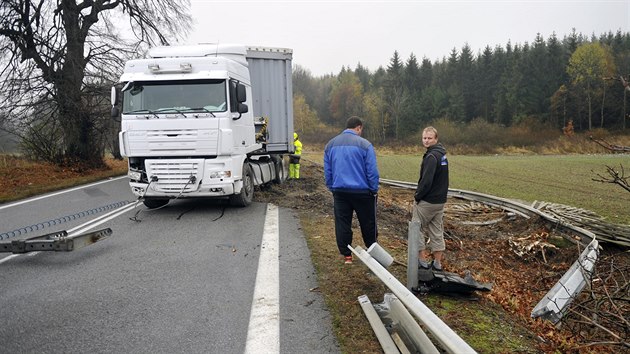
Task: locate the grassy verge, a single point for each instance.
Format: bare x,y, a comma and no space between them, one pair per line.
20,178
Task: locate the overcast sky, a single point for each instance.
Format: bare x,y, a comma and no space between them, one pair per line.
326,35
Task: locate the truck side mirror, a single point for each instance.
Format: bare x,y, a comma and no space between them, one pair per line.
241,94
115,111
114,96
242,108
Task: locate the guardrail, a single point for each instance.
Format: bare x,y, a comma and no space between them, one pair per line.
521,209
556,302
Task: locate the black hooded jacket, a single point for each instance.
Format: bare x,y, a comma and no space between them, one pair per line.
433,182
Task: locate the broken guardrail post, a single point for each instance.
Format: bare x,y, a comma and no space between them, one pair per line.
411,329
380,254
413,246
387,343
555,303
56,242
448,339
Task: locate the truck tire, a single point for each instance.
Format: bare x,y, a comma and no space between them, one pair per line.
244,198
153,203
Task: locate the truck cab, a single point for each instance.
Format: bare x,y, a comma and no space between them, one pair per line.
205,121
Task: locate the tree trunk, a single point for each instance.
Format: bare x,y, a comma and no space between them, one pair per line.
590,115
623,119
564,111
76,122
601,124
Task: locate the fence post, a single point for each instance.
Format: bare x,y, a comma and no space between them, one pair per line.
413,244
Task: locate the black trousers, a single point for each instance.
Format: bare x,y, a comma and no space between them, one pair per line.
364,204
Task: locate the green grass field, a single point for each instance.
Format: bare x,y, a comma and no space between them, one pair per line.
562,179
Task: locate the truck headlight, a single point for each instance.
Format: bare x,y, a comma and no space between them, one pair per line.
135,175
221,174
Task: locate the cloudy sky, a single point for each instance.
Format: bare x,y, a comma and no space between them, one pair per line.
326,35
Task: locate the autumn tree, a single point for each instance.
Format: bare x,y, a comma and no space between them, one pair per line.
375,115
587,68
54,53
346,97
305,120
304,84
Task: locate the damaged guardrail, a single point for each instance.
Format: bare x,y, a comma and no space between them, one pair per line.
57,242
521,209
387,343
444,335
555,303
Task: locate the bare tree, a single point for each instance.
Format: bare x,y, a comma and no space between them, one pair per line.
53,54
615,177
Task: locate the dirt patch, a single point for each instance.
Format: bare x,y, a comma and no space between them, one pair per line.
490,243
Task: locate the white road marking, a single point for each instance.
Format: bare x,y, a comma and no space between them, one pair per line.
57,193
101,219
264,320
8,258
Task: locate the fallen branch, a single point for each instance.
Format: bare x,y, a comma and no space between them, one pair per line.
621,342
608,146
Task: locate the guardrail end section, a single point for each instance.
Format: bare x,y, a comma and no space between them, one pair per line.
557,300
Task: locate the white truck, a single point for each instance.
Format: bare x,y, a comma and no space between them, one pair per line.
210,120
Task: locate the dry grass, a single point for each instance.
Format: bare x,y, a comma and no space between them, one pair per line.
21,178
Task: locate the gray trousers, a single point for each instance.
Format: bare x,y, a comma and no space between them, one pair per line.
431,218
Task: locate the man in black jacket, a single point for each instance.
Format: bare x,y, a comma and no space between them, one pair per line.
430,198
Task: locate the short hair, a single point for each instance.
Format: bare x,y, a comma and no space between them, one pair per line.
353,122
431,129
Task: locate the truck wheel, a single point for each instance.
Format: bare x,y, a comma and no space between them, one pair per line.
155,203
244,198
278,164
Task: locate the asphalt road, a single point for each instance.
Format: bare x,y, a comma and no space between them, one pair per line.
179,279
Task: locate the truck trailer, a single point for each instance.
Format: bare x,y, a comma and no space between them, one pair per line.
210,121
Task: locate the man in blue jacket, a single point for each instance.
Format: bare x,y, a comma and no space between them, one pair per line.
352,176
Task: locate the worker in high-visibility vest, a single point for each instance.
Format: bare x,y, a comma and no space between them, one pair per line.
294,159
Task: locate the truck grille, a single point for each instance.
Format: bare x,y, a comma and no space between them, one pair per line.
180,142
175,176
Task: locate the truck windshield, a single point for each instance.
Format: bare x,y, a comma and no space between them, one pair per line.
180,96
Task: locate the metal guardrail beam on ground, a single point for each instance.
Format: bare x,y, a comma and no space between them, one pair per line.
443,334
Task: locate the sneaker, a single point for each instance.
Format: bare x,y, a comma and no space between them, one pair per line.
436,267
423,265
348,259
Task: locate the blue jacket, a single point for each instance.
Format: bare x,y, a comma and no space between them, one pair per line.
350,164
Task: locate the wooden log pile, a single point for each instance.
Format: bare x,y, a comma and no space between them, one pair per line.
475,213
586,219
